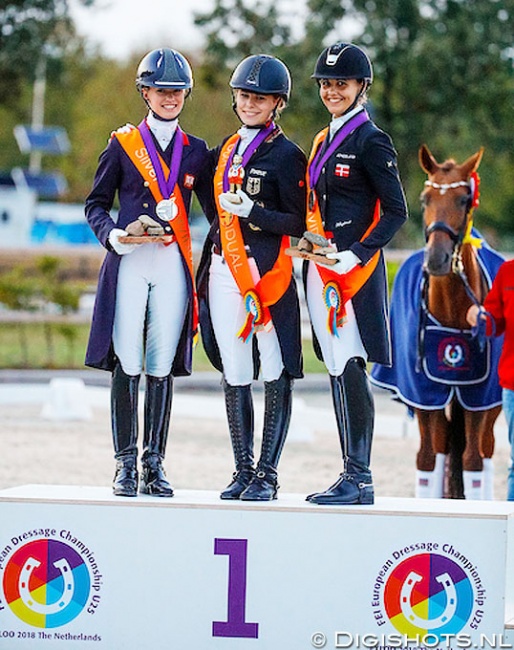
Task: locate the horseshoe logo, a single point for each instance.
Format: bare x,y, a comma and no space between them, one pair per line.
448,585
453,355
27,598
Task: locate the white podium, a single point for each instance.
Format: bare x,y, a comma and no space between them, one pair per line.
80,568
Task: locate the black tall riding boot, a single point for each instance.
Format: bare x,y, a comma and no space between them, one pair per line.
355,484
158,396
124,397
278,398
239,406
337,400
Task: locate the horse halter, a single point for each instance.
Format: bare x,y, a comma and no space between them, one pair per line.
443,187
455,236
457,239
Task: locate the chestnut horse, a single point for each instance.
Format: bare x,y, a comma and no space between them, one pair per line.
433,290
455,281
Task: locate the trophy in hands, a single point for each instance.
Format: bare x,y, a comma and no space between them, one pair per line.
313,247
145,230
236,175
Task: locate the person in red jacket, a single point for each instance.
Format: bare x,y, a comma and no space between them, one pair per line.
498,310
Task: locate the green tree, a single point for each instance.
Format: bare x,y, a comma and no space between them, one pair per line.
17,293
30,30
56,295
237,28
443,75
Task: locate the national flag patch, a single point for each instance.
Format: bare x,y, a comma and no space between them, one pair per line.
189,181
253,185
342,170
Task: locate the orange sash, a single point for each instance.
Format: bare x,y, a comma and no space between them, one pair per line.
134,147
273,284
337,289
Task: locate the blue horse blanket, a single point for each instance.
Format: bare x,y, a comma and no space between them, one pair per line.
407,378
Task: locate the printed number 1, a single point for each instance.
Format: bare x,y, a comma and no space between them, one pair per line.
235,625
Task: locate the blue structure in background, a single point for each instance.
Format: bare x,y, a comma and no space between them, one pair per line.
51,232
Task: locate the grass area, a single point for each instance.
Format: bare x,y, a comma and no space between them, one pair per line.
58,345
27,284
42,345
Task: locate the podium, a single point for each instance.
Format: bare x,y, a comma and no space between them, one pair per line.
80,568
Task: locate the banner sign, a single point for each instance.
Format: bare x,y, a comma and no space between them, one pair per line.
80,568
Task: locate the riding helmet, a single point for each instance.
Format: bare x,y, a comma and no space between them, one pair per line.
264,74
343,61
164,68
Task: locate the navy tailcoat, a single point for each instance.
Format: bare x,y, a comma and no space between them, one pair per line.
116,174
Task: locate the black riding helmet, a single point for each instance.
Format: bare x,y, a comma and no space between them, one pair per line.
264,74
164,68
344,61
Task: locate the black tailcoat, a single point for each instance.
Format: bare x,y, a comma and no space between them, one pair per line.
275,181
362,170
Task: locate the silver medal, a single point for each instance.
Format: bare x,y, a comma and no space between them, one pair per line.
166,209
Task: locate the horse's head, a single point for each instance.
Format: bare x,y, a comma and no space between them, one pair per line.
447,200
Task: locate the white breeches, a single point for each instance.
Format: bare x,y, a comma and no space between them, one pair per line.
336,350
151,303
228,315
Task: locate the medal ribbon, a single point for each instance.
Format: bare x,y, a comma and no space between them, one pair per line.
248,152
166,185
134,145
317,162
337,289
273,284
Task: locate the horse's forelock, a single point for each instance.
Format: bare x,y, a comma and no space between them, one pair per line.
448,165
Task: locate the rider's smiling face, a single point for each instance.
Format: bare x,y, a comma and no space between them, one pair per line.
254,109
167,103
339,94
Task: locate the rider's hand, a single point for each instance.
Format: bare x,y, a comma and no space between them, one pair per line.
346,261
116,245
126,128
241,209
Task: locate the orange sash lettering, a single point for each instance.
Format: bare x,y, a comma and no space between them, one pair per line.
134,147
273,284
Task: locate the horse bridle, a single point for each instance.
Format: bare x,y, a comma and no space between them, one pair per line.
457,266
440,226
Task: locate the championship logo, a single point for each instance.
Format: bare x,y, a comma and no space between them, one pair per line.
47,583
436,594
454,353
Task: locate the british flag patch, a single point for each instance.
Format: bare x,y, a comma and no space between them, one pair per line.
342,170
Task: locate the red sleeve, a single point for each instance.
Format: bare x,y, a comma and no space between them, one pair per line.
494,304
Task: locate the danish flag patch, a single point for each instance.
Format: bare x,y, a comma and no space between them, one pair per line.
342,170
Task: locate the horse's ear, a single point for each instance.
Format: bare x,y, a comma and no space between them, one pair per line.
471,164
426,160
